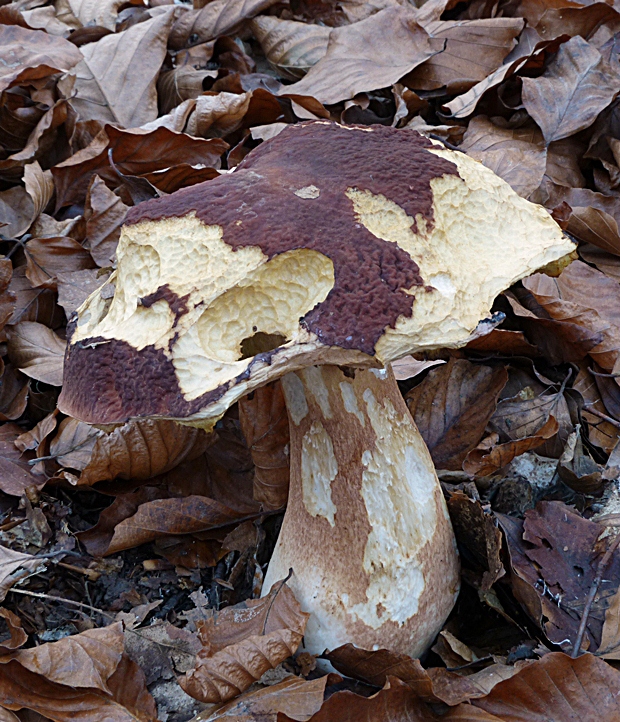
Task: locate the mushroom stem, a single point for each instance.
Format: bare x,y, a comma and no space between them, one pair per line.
366,531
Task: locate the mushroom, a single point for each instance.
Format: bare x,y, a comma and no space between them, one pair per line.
328,253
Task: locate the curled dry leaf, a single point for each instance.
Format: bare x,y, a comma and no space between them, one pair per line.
117,75
554,555
142,449
96,12
15,566
489,456
47,257
461,64
168,517
16,635
296,698
452,406
291,48
371,54
129,700
218,114
87,659
396,701
477,532
242,642
134,153
33,54
104,213
74,287
16,474
556,688
518,156
217,18
13,394
434,685
264,422
576,86
38,352
73,444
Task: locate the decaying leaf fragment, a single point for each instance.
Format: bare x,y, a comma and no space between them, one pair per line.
242,642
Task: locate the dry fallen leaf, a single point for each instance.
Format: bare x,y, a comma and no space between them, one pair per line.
87,659
291,48
574,89
15,566
242,642
452,406
368,55
38,352
116,77
264,422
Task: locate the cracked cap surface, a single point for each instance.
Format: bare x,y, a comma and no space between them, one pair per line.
327,245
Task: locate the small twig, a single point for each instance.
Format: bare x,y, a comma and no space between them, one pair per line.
63,601
88,573
11,524
607,376
601,415
602,565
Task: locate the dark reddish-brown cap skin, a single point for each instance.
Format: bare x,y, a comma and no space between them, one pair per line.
257,206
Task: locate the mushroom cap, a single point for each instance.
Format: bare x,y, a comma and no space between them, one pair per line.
327,245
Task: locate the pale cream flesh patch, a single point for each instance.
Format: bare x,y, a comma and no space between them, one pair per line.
318,469
399,488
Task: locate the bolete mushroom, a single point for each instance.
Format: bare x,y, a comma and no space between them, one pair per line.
328,253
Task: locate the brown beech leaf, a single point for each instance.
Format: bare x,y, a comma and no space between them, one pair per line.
87,659
15,566
554,554
555,688
33,304
576,86
216,18
16,474
452,406
600,432
7,297
13,394
104,213
489,457
368,55
117,75
264,423
395,702
610,634
588,299
74,287
33,54
476,531
518,156
141,449
73,444
296,698
215,116
435,685
134,153
97,539
524,54
595,226
242,642
291,48
409,367
31,439
130,700
13,625
169,517
461,64
16,211
37,352
96,12
47,257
